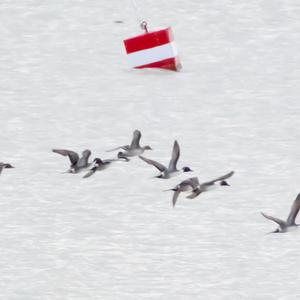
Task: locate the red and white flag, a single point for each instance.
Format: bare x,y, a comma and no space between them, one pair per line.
155,49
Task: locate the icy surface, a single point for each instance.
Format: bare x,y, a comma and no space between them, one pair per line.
64,83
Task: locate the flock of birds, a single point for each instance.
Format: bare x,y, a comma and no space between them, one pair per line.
191,185
135,149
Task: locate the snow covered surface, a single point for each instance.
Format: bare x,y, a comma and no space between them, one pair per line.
64,83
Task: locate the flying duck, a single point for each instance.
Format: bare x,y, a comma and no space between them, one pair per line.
192,184
77,164
171,170
285,226
5,166
100,165
134,148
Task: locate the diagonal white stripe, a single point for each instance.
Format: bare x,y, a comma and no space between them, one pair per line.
152,55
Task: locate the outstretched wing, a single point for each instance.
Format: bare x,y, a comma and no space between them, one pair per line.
6,165
90,172
109,160
175,157
154,163
280,222
135,143
194,194
175,197
73,156
194,182
125,147
220,178
83,161
294,212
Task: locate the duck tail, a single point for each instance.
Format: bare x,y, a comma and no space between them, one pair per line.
174,190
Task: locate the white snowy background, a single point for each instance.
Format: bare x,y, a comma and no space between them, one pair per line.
64,83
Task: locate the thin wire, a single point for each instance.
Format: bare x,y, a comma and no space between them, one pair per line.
137,11
141,21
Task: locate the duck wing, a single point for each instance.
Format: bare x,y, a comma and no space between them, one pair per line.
154,163
294,212
194,194
125,147
5,166
175,197
280,222
220,178
109,160
83,161
90,172
135,143
194,182
175,156
73,156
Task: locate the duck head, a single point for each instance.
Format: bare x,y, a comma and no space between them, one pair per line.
147,148
223,182
187,169
97,161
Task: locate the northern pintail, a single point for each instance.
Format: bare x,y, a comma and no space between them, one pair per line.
192,184
5,166
289,224
77,163
99,165
171,170
134,148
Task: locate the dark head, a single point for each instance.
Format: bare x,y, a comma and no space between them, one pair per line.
223,182
147,148
97,161
8,166
187,169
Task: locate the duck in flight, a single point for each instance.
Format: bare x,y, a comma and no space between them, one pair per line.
285,226
192,184
134,148
100,165
189,184
171,170
5,166
77,163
